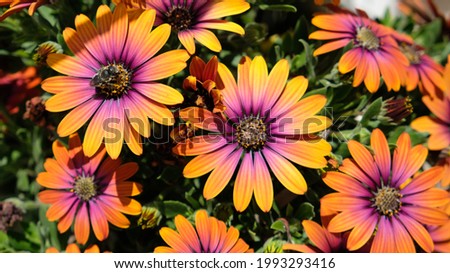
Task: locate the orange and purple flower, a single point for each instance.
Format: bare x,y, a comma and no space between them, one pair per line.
88,191
266,127
209,236
112,79
373,50
192,19
375,193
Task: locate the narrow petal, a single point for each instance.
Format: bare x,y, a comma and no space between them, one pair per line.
423,181
382,155
291,94
104,19
427,216
113,216
70,66
223,8
76,45
60,84
316,234
230,239
349,60
244,185
174,240
205,163
186,38
221,175
82,228
403,240
60,208
89,35
418,233
230,95
95,131
384,241
258,80
285,172
348,219
199,145
364,159
154,110
188,233
78,117
222,25
346,184
311,155
67,100
119,30
276,82
401,157
162,66
416,157
342,202
153,43
361,233
331,46
99,222
202,225
372,78
264,188
208,39
66,221
63,158
350,167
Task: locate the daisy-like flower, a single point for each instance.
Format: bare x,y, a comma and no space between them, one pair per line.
112,79
422,71
266,125
209,236
18,5
438,126
191,19
73,248
88,191
323,240
373,51
373,196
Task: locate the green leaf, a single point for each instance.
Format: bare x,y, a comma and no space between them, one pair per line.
279,7
170,174
372,111
278,225
172,208
305,212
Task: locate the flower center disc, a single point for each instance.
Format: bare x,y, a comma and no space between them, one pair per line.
85,187
112,81
387,200
412,53
251,133
367,38
179,18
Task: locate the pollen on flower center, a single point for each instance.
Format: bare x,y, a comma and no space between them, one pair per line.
387,201
251,133
85,187
179,18
112,81
412,53
367,38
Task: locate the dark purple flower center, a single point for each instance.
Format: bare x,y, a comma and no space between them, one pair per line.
85,187
112,81
251,133
180,18
387,201
367,38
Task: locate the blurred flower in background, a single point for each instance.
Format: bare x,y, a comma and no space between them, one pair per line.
18,5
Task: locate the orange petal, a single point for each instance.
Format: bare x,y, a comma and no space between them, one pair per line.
382,155
208,39
331,46
186,38
187,232
224,8
276,81
258,80
82,229
364,159
199,145
174,240
222,25
202,225
68,65
98,221
113,216
361,233
349,60
285,172
292,93
153,43
418,232
403,241
221,175
205,163
264,188
244,184
78,117
316,234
